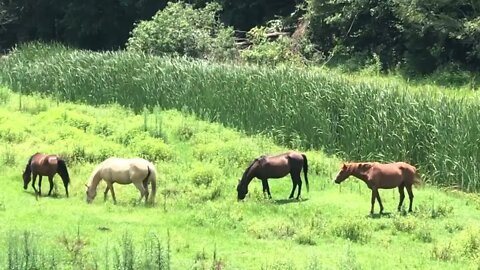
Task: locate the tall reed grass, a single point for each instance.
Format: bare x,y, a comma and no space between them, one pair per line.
299,108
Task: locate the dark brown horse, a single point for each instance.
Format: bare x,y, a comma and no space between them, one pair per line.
385,176
45,165
278,166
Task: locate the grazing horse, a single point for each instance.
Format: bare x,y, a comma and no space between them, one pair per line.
138,171
265,167
386,176
45,165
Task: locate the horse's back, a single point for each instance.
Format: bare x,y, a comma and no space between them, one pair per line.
43,164
124,170
280,165
405,166
390,175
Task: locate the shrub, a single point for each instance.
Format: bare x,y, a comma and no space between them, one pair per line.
4,95
353,230
204,175
405,224
271,52
305,237
179,29
152,149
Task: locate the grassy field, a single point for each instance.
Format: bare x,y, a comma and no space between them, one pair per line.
357,118
197,220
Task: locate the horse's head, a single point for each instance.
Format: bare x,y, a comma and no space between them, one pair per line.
27,177
241,191
343,174
91,193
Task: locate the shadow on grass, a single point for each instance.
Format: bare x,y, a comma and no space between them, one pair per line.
378,215
45,195
287,201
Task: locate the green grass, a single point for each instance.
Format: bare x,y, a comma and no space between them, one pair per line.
197,218
353,117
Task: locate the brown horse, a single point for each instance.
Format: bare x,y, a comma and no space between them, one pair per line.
45,165
265,167
386,176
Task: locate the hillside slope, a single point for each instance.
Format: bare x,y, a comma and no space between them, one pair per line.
197,217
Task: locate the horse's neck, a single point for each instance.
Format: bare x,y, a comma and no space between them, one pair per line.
360,174
94,179
247,177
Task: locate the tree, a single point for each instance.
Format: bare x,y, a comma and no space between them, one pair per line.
419,35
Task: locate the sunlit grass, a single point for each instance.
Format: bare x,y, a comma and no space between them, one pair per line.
197,217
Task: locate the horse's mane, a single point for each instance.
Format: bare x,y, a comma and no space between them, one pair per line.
364,166
27,167
249,167
94,172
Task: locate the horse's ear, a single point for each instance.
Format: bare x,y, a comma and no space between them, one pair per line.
344,167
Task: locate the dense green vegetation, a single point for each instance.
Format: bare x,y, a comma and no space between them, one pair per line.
359,120
197,222
410,38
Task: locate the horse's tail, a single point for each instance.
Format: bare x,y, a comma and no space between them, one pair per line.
63,172
417,181
152,177
305,170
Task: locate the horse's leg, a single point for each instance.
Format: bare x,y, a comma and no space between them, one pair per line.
268,188
294,185
264,187
379,200
401,190
145,186
142,190
110,186
410,196
105,194
50,181
33,183
372,201
40,185
299,183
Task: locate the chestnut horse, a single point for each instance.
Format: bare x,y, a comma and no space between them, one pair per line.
265,167
45,165
385,176
123,171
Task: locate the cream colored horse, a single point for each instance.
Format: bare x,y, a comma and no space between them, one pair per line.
138,171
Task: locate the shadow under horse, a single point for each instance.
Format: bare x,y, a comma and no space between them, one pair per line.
45,165
278,166
383,176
